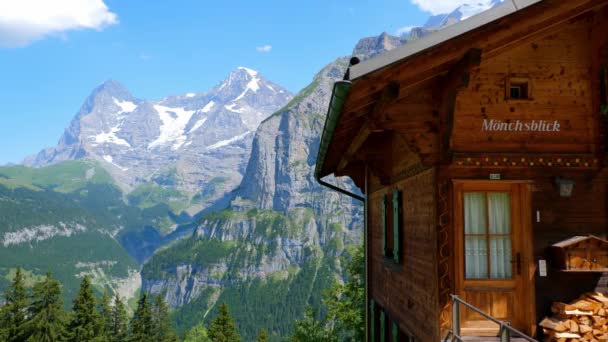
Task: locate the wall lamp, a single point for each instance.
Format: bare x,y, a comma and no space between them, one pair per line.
566,186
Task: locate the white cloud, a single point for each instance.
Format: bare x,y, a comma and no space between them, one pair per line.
24,21
439,6
265,48
404,30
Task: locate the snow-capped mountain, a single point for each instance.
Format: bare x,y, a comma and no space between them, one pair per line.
191,142
462,12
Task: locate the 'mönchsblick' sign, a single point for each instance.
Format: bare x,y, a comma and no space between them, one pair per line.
520,126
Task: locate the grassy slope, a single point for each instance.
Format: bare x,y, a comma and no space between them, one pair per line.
64,256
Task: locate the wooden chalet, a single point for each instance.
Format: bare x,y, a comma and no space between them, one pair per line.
477,148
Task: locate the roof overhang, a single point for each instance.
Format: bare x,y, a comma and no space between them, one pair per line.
338,98
391,57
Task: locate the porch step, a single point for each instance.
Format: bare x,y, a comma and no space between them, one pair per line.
489,339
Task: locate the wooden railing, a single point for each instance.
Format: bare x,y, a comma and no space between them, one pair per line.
505,332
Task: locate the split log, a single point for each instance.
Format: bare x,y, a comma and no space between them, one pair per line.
553,324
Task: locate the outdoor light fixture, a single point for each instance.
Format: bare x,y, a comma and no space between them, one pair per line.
565,186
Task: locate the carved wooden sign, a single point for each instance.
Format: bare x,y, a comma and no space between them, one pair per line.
521,125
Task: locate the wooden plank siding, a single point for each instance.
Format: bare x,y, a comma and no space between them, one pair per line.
585,212
407,291
432,134
558,69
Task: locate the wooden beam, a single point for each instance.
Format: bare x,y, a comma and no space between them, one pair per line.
354,146
456,79
373,122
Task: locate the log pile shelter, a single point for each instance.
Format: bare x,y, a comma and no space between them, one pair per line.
477,149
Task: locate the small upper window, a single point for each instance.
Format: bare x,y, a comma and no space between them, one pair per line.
518,89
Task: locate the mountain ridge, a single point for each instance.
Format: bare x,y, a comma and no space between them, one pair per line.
184,142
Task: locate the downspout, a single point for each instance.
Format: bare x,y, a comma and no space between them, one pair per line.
366,256
342,191
334,112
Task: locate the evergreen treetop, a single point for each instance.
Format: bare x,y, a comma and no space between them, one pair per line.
13,313
86,324
142,321
223,328
119,330
46,322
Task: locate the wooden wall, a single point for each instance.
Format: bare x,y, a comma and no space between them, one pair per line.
407,291
558,69
585,212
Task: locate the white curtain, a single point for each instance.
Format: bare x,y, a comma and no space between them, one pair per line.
496,207
476,247
500,224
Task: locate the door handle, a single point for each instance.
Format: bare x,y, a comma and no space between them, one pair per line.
517,262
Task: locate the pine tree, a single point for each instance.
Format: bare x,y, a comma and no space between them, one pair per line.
105,311
313,329
346,303
13,312
46,322
197,334
223,327
119,331
142,322
162,322
262,336
86,324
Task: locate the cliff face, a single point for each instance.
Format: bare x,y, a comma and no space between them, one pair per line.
283,238
281,228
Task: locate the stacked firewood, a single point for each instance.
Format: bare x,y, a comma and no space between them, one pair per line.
585,319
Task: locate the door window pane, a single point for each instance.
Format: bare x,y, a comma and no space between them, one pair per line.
500,255
499,204
475,213
476,256
488,245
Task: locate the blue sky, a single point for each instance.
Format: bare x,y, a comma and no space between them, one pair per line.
158,48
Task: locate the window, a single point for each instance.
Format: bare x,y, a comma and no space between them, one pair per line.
487,235
604,91
372,314
392,221
518,88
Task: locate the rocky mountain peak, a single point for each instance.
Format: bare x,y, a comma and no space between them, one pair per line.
372,46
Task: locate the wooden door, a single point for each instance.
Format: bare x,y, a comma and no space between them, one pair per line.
492,248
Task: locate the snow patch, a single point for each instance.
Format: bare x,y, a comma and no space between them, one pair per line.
251,72
174,121
469,10
41,233
125,106
196,126
110,160
232,108
252,85
208,107
111,137
222,86
228,141
271,88
190,95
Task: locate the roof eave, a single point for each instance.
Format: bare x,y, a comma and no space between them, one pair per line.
338,98
437,38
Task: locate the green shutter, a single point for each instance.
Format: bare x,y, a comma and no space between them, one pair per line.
382,327
395,332
396,224
384,208
372,315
